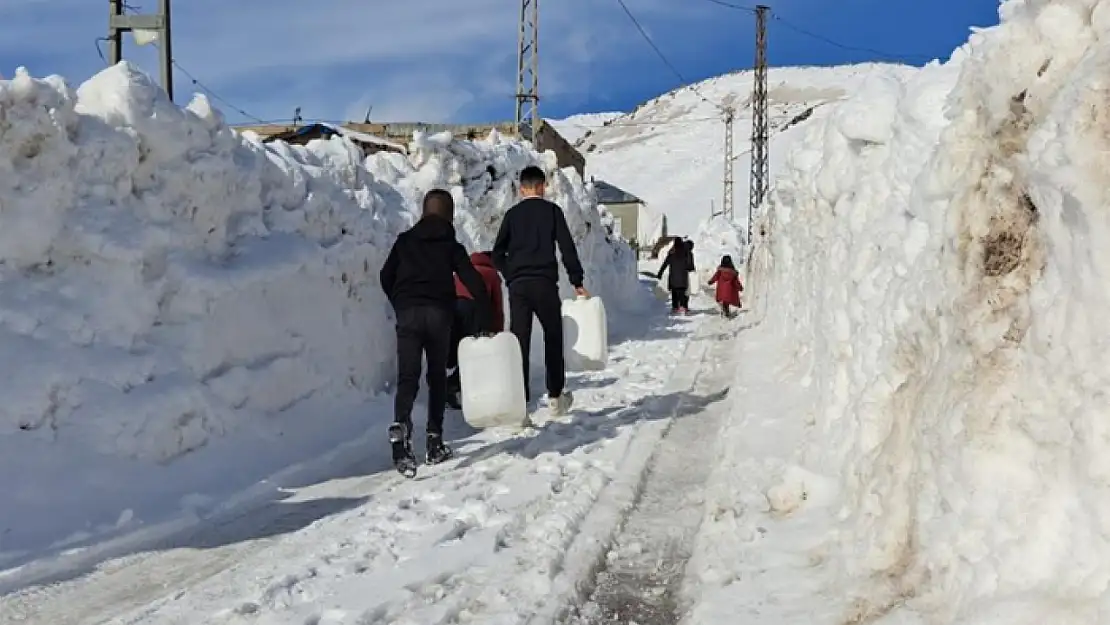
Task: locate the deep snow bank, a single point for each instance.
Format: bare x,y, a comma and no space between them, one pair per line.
167,282
945,276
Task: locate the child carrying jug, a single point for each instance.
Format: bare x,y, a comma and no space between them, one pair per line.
729,286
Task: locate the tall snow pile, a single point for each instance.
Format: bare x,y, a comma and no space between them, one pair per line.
937,251
167,281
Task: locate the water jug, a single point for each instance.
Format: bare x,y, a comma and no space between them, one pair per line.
585,334
491,376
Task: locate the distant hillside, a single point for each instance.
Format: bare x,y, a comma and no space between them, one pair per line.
669,151
575,127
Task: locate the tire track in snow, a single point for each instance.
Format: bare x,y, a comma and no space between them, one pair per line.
641,576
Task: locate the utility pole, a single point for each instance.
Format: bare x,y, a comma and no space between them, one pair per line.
527,73
727,205
119,23
757,190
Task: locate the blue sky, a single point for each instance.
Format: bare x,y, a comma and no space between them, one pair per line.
454,60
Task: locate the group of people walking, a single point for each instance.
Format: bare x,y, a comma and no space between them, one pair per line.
680,261
441,294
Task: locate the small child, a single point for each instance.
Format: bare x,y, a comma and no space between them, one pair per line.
729,287
465,323
418,278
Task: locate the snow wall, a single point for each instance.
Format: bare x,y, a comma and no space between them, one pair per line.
937,253
167,282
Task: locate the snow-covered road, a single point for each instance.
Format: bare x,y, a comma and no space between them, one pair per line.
505,534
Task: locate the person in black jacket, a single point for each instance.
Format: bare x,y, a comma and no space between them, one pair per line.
680,261
418,277
524,253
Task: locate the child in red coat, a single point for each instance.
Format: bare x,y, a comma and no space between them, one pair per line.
464,322
728,284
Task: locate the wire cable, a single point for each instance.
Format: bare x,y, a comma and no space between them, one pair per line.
888,55
664,58
212,94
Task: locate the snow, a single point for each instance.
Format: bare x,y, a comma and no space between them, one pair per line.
575,127
186,310
914,432
669,151
503,534
919,423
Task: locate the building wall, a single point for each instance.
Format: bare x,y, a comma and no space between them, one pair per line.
547,138
629,214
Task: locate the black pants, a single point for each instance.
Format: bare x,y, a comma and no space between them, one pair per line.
539,297
463,324
422,331
680,298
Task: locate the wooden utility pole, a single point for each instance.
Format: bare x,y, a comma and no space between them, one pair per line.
757,189
527,117
119,23
727,208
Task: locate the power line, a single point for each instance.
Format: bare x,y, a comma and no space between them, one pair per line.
663,57
819,37
732,6
212,94
843,46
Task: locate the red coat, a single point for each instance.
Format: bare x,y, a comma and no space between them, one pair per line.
484,264
728,286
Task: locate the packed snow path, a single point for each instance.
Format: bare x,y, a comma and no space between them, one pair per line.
507,533
641,580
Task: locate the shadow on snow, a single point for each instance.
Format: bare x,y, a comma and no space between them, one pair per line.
271,515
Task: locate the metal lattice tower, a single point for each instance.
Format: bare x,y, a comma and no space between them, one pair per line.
727,205
757,190
527,72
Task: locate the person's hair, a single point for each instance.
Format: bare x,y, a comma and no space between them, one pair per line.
439,202
726,262
532,176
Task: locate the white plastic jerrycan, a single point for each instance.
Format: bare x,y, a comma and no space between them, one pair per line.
491,376
585,334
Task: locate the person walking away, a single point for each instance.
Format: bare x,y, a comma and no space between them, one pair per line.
678,279
729,286
418,279
524,252
465,322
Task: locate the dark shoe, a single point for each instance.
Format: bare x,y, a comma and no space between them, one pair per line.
403,458
438,451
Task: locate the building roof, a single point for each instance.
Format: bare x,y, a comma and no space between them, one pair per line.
612,194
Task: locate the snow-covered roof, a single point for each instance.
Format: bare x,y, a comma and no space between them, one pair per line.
365,137
611,194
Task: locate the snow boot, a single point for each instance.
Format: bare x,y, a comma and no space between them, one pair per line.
560,405
403,458
438,451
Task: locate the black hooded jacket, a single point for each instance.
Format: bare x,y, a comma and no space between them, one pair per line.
420,269
680,260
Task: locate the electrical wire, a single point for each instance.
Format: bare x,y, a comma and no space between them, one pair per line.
664,58
212,94
819,37
730,5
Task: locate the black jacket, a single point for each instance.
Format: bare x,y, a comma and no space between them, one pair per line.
420,269
525,245
680,261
